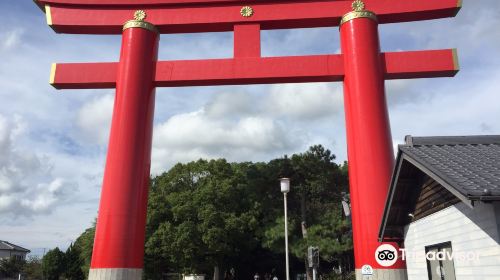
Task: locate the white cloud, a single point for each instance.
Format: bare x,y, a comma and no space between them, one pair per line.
305,102
477,20
10,39
463,108
94,119
195,135
228,104
242,126
46,195
400,92
196,46
302,41
235,125
26,185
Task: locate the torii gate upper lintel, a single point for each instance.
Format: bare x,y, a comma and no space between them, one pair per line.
119,240
186,16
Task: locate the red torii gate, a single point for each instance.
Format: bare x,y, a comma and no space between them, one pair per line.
119,240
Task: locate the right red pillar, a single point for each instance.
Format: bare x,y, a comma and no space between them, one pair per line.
369,142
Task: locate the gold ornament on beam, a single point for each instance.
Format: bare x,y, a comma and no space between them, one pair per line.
358,11
138,22
246,11
140,15
358,6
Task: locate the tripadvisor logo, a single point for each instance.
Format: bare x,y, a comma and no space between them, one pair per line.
386,255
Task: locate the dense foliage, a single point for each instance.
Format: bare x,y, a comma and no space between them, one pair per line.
33,268
53,264
85,243
214,215
10,267
73,264
208,214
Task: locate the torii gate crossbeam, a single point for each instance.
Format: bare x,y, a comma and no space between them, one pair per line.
257,70
119,240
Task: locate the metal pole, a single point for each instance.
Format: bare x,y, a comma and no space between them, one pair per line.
286,240
43,270
314,273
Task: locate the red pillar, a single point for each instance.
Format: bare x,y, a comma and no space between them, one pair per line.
370,151
119,239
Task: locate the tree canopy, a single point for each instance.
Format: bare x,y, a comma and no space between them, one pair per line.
212,213
53,264
10,267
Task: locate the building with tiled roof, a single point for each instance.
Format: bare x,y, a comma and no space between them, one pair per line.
444,201
9,250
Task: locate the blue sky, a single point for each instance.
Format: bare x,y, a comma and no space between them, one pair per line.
53,143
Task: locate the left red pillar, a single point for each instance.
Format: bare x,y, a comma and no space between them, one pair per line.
119,238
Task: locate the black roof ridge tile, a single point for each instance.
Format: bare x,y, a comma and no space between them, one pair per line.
452,140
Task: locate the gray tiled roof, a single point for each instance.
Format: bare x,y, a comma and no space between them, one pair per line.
468,167
4,245
470,164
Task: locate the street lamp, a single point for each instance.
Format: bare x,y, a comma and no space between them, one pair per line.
285,188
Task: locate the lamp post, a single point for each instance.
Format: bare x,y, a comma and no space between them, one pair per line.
285,188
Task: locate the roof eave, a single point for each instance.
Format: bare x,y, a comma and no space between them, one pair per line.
390,195
435,176
401,157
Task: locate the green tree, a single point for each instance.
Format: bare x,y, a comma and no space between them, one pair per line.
53,264
10,267
213,214
200,216
85,243
314,203
33,268
73,263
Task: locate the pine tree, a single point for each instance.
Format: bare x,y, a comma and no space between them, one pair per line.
53,264
73,268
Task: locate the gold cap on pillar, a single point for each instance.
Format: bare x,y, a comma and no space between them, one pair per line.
358,11
138,22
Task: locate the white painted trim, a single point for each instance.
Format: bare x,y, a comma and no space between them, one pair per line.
115,274
383,274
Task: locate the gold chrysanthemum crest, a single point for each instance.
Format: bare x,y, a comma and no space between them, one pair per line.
246,11
140,15
139,22
358,6
358,11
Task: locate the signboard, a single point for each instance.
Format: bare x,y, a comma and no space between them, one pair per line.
313,256
366,270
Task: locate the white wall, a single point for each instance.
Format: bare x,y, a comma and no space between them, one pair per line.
4,254
471,231
8,254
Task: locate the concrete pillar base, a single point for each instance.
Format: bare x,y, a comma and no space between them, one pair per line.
115,274
383,274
